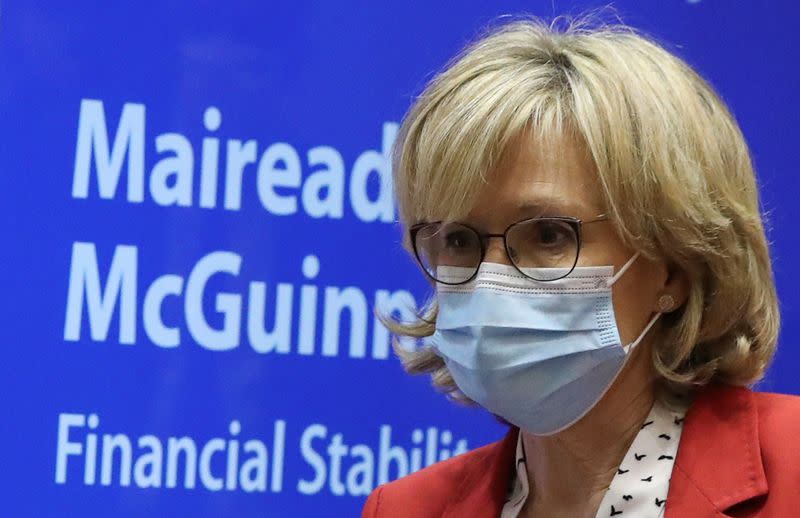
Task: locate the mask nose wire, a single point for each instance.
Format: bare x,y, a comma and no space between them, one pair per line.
622,270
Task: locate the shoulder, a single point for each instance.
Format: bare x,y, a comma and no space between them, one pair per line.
778,423
428,491
783,407
771,419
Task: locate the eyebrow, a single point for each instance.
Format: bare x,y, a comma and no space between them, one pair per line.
553,206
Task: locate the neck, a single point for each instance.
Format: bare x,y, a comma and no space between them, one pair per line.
572,470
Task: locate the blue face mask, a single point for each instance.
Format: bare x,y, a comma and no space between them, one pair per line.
538,354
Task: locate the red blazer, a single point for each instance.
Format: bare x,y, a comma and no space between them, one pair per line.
739,455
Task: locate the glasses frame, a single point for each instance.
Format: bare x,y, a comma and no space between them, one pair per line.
483,238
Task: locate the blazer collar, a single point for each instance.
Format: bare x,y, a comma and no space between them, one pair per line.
717,467
486,480
719,457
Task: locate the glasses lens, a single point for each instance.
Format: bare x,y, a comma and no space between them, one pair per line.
547,247
449,252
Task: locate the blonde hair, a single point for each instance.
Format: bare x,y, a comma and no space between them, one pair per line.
673,167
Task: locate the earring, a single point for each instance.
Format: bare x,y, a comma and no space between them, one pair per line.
665,303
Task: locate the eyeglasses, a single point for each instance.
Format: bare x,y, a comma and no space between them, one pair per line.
542,248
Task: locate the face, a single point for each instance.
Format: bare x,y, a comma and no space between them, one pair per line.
561,182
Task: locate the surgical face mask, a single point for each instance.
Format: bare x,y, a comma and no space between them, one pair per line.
538,354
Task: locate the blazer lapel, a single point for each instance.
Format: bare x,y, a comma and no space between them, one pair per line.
486,480
719,457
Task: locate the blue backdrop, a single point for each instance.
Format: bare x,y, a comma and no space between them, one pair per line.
198,224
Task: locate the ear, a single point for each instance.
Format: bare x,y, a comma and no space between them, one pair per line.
674,291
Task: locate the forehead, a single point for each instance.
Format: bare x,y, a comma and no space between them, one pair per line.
554,177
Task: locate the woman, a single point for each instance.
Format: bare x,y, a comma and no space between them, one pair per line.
586,208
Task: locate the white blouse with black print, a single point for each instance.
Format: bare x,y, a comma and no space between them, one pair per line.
640,486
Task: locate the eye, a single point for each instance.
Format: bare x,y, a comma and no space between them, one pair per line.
552,234
457,239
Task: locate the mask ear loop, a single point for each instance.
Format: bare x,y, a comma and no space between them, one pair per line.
633,344
611,280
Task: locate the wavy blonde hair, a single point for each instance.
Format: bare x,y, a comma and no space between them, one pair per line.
673,167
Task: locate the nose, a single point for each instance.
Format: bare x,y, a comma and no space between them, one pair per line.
496,252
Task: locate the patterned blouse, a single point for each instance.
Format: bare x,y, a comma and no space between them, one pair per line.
640,486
